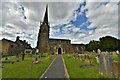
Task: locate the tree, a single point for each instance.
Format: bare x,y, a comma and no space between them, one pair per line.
93,45
108,43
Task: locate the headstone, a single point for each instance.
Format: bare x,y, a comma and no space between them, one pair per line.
81,57
114,54
117,52
37,50
99,51
97,58
105,64
109,66
87,59
101,64
93,51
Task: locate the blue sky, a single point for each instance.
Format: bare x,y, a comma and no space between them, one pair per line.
80,22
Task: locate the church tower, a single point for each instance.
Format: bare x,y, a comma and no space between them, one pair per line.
43,35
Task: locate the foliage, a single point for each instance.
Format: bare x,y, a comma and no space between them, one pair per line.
93,45
106,43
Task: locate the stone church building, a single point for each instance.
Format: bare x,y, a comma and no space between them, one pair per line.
10,48
59,46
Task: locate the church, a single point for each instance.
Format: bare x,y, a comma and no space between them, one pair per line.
58,46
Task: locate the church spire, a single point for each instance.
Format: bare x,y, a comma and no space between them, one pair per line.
43,35
46,15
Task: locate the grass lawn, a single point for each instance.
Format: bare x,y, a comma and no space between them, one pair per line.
25,69
74,70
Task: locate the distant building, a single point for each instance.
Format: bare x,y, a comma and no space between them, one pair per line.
46,45
9,48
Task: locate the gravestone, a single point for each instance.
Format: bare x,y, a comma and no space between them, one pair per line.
105,64
109,66
101,64
81,57
87,59
117,52
114,54
93,51
37,51
97,58
98,51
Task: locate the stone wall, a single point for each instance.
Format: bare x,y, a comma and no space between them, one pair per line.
13,48
66,46
5,47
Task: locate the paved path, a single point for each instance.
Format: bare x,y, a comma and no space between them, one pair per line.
56,70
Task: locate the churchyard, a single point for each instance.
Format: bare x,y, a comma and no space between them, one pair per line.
33,66
87,65
80,69
93,65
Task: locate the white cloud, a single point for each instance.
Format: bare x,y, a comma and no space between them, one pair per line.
104,18
59,13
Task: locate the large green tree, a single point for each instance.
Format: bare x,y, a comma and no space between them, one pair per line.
108,43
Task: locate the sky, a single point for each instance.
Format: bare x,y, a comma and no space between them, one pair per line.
80,22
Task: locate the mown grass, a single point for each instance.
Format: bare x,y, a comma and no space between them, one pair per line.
25,69
74,70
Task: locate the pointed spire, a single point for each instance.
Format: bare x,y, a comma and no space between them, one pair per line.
46,15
